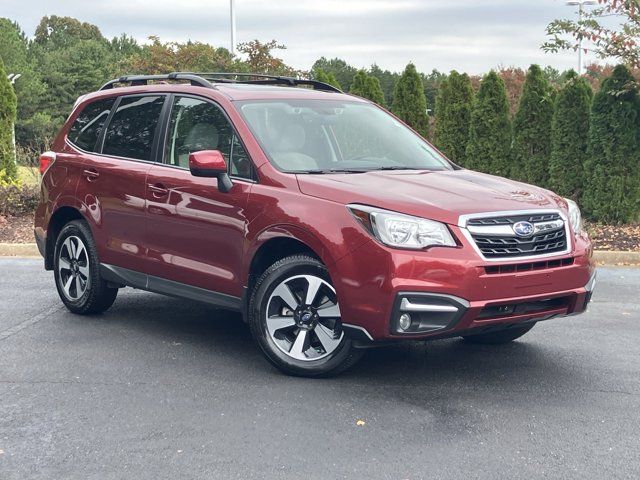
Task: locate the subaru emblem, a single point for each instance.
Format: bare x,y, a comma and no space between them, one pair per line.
523,229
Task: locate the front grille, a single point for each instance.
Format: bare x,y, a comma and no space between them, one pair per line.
495,237
511,219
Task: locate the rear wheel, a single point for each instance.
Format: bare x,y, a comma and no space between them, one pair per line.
500,337
77,271
294,316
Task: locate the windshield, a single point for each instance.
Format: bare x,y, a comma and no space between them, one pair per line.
323,136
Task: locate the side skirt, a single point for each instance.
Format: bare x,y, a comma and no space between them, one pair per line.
142,281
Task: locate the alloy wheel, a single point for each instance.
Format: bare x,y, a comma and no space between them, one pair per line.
303,318
73,268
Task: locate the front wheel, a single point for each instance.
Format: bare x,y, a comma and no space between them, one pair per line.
294,316
501,336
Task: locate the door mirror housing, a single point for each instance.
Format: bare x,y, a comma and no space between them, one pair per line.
210,163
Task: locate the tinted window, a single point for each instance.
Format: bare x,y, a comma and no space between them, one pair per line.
87,127
200,125
131,130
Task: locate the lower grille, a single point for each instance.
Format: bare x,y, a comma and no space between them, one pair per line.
524,308
496,237
528,267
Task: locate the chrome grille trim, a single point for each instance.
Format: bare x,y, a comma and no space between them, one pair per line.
506,230
496,224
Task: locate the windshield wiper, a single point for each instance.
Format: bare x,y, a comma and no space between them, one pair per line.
331,170
393,167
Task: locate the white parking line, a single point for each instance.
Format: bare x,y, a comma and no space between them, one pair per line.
31,321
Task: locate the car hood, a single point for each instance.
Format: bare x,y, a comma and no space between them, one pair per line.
441,195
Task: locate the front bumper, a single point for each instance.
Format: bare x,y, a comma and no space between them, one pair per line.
450,291
439,314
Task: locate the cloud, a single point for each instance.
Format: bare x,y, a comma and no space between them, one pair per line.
468,35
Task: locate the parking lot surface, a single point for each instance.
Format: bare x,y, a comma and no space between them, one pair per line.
161,388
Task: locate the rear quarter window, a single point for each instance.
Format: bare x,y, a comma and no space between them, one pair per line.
87,126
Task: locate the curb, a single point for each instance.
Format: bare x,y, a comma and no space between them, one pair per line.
602,257
615,258
19,250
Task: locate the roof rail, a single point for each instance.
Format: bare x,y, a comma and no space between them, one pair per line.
263,79
207,79
136,80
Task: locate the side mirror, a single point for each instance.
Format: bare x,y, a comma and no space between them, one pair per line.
210,163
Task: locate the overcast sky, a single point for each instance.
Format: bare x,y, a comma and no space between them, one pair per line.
468,35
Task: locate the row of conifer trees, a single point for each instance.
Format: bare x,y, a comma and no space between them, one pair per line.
579,144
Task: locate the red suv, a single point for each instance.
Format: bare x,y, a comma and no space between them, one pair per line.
327,222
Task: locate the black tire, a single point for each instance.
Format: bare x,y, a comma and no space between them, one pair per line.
501,336
340,359
97,296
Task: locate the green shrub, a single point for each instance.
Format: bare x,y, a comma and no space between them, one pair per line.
17,198
409,102
367,86
532,130
490,130
453,116
569,137
328,78
612,169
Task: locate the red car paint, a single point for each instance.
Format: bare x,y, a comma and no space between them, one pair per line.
162,221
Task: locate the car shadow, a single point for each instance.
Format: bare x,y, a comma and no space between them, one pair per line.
222,336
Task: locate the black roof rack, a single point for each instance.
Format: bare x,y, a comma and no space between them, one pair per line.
136,80
207,79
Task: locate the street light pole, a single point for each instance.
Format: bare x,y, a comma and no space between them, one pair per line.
232,7
580,4
12,79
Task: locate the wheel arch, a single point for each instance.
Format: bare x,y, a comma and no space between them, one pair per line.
62,215
276,243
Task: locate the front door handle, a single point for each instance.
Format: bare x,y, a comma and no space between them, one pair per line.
91,174
158,190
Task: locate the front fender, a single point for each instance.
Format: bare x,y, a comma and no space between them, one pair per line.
286,231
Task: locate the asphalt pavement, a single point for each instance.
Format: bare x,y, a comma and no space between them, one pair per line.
159,388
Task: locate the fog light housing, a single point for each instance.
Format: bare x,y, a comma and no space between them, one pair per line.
404,321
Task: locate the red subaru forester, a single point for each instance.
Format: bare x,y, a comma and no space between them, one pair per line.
327,222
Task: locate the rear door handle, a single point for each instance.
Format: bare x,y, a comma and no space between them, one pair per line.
158,190
91,174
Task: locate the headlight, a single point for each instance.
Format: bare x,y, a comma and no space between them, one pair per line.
402,231
575,218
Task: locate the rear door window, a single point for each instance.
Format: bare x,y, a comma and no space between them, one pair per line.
86,128
132,129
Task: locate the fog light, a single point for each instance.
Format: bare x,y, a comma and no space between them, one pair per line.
404,321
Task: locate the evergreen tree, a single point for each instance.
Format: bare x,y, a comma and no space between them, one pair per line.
490,128
359,84
374,90
7,120
33,124
387,81
532,129
332,80
328,78
367,86
409,101
342,70
453,116
73,58
612,169
431,83
569,136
